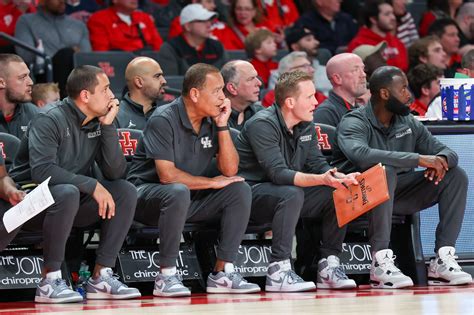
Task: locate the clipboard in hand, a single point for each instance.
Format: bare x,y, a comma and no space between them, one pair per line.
352,202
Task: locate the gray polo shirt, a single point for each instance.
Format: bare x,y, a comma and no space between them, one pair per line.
22,115
57,145
362,141
169,136
269,152
330,111
131,114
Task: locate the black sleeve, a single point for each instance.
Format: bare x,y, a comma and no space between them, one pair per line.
158,139
43,143
264,140
324,115
110,158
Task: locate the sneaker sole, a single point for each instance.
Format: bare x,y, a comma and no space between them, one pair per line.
171,294
230,290
441,281
107,296
47,300
310,287
381,285
341,287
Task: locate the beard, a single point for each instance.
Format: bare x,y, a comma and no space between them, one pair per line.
16,98
398,108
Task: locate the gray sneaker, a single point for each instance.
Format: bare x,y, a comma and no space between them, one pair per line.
56,291
229,281
170,286
281,278
108,287
332,276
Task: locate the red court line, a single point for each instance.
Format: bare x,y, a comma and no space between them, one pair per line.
16,308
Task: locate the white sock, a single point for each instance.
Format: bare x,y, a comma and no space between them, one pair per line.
53,275
169,271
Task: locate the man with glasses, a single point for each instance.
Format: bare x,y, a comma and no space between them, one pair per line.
242,88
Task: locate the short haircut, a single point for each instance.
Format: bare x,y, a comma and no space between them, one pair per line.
41,89
287,85
229,73
467,61
5,60
286,62
421,76
382,78
420,49
82,78
255,39
371,9
196,76
438,27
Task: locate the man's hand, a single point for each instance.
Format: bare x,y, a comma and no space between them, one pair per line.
223,117
104,201
436,167
15,196
335,179
113,108
222,181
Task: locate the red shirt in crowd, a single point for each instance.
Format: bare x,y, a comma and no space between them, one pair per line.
232,38
269,98
419,107
264,69
426,20
9,15
280,13
109,32
395,53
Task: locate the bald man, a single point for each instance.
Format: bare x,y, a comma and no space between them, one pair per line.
145,83
349,82
242,88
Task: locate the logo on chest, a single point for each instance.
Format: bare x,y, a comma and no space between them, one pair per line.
94,134
403,133
206,143
306,138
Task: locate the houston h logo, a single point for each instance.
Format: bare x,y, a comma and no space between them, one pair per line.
128,145
323,140
206,143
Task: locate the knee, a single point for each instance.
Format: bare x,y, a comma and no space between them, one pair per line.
178,197
240,191
294,195
65,193
124,189
391,174
458,175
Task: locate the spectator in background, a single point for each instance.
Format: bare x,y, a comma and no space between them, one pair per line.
280,13
380,22
331,27
145,83
175,28
261,48
245,17
10,11
242,88
438,9
406,27
427,50
467,66
465,21
301,39
448,34
346,73
123,27
424,84
82,9
194,45
44,94
15,95
371,56
296,60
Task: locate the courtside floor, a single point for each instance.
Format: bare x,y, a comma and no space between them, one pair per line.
419,300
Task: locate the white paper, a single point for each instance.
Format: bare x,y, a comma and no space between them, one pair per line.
34,203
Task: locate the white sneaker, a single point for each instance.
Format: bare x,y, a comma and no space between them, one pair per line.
444,270
384,274
109,287
281,278
332,276
229,281
56,291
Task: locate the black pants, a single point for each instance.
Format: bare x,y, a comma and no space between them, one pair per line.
171,206
283,206
71,208
412,192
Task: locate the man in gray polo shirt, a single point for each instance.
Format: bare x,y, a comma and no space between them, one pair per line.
385,132
280,159
242,88
15,95
64,143
169,169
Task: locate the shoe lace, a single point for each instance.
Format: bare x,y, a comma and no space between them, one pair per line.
389,263
61,284
114,282
451,262
174,279
338,273
290,277
236,276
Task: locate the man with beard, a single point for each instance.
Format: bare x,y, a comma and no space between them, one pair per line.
385,132
15,94
145,83
380,22
242,88
63,143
